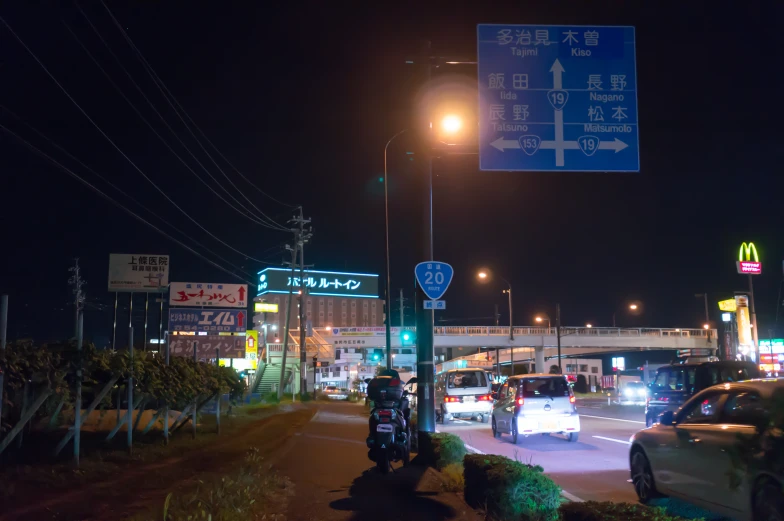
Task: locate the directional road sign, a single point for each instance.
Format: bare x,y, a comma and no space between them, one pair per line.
555,98
435,304
211,320
434,278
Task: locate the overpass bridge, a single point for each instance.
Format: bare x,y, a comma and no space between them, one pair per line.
525,343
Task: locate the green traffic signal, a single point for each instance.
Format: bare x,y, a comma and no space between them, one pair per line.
407,338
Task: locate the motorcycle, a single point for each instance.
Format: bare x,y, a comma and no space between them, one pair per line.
389,439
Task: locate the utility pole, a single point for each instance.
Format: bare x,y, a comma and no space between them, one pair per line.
77,283
288,316
3,332
402,312
558,334
302,237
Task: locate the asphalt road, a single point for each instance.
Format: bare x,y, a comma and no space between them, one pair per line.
596,467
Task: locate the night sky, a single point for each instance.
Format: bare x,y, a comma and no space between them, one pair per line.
302,100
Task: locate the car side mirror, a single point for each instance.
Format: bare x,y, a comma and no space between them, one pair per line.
412,381
667,418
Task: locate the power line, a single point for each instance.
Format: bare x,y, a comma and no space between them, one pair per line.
104,195
239,208
68,95
164,91
99,176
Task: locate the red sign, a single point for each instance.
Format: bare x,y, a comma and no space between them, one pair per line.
749,268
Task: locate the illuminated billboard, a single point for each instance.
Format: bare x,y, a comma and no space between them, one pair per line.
318,283
748,260
744,324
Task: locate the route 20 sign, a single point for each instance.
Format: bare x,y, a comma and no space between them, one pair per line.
434,278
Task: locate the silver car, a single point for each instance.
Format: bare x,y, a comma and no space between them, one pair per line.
717,451
536,404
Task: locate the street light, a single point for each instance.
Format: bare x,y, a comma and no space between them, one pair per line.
589,326
706,326
539,319
451,124
484,276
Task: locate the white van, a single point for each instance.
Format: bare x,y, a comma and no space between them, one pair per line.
463,393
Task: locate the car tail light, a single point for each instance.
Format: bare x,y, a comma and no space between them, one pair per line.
571,399
484,398
451,399
394,382
520,401
384,412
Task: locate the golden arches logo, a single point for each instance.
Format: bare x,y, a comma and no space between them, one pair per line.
750,251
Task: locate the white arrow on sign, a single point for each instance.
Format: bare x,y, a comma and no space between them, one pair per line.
616,145
557,69
502,144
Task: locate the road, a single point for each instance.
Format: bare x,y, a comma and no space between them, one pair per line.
596,467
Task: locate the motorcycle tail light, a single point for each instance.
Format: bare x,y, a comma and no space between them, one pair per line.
572,399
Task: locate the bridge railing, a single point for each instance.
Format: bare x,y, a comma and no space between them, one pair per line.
582,331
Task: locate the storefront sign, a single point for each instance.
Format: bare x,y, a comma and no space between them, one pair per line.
322,283
207,345
727,305
211,320
744,324
203,294
265,307
138,273
748,260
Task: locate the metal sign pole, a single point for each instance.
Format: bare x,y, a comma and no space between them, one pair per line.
114,324
129,413
218,406
196,398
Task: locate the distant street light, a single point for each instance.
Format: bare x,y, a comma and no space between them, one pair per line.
633,306
706,326
589,326
539,319
484,276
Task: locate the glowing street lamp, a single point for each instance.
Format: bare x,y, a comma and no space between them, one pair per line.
451,124
589,326
484,276
539,319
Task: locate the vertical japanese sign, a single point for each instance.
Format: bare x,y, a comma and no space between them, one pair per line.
138,273
557,98
252,347
745,341
195,294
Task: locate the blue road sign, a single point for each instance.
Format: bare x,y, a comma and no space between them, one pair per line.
434,278
434,304
213,320
555,98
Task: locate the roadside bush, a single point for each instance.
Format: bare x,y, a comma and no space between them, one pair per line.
606,511
453,477
508,489
581,385
442,449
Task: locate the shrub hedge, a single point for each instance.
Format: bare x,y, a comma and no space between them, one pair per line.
442,449
606,511
508,489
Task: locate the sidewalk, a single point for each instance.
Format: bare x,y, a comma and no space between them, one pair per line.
335,481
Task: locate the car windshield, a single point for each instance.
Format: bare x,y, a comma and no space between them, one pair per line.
464,379
635,385
550,387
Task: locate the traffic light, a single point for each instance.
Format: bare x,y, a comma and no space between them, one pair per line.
375,357
408,338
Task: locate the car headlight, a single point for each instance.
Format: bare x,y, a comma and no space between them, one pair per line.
628,392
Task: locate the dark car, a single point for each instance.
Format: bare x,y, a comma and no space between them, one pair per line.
674,384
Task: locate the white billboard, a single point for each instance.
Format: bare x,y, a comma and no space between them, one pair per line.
208,295
138,273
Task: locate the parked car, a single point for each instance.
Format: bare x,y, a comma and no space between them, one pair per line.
463,393
335,393
675,384
536,404
696,453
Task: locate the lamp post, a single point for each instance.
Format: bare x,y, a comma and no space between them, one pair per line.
631,307
388,304
539,319
485,276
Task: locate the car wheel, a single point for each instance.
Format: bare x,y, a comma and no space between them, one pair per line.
514,432
496,434
642,477
485,418
768,502
572,437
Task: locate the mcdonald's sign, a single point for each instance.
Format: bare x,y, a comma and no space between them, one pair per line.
748,260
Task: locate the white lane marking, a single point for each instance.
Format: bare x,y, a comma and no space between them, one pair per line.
469,448
571,497
613,439
613,419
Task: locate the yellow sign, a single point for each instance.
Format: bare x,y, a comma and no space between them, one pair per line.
728,305
265,307
750,251
252,347
744,324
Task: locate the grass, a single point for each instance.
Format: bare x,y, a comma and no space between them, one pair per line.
454,480
101,466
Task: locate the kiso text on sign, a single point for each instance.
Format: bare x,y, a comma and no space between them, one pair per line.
210,320
138,273
208,295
